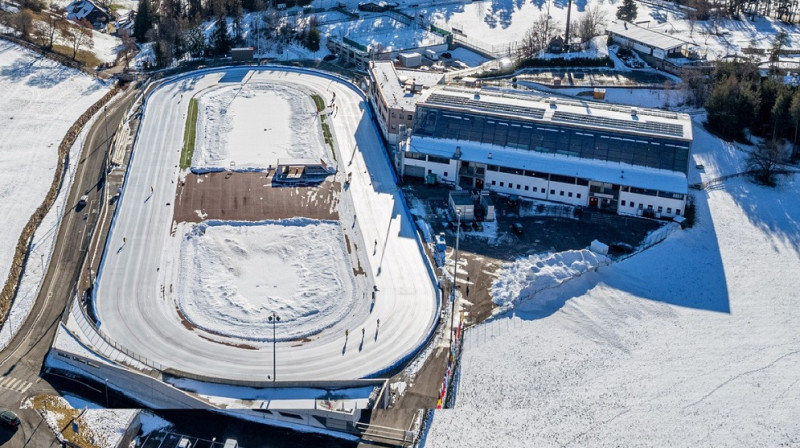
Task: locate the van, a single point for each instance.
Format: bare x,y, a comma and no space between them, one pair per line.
430,54
184,443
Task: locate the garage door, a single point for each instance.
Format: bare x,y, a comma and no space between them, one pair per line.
414,171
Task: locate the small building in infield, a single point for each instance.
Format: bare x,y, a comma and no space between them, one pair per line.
629,160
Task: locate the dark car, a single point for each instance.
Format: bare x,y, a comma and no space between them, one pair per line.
329,57
477,226
8,419
517,228
621,248
465,226
451,225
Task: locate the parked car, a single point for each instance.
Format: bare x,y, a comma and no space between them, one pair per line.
9,419
517,228
451,225
465,226
477,226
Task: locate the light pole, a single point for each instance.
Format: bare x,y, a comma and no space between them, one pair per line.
455,278
106,382
274,319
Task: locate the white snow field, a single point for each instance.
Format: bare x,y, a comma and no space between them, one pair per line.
692,342
39,100
232,276
252,126
137,271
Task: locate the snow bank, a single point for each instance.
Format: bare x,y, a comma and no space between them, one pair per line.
233,275
524,278
253,125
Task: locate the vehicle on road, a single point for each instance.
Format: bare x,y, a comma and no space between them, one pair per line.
517,228
9,419
83,200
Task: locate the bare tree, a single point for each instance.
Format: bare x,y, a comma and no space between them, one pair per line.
538,36
765,161
78,38
47,29
591,23
128,47
23,23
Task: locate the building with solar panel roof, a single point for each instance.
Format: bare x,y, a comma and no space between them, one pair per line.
630,160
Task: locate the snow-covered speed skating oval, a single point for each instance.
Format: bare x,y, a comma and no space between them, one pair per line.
354,292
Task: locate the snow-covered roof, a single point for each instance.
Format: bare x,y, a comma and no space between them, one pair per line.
596,170
645,36
557,110
391,83
80,9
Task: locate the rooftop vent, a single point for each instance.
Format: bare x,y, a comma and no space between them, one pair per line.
633,112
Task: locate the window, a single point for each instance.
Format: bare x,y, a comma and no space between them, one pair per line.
445,174
669,210
659,209
429,171
393,115
649,207
561,193
578,195
678,212
641,206
519,186
535,189
494,182
526,188
502,184
553,192
569,194
410,117
632,204
623,202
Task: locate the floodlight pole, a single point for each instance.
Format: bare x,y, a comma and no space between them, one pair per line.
274,319
455,279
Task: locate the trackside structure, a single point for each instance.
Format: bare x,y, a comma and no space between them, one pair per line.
629,160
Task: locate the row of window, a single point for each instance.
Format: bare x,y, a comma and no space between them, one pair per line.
611,146
535,189
632,204
659,193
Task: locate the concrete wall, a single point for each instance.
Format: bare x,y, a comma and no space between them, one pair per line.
668,206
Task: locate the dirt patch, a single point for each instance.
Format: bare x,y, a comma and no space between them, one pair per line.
230,344
186,323
251,196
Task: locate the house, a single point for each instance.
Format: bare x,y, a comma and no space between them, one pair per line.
646,42
556,45
89,11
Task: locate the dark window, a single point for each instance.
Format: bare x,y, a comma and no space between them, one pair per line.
678,211
669,210
553,192
501,184
410,117
519,186
561,193
494,182
569,194
442,160
583,182
445,174
526,188
659,209
623,202
578,195
534,189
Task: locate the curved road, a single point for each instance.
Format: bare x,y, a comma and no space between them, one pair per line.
128,296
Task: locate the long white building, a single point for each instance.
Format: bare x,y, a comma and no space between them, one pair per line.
631,160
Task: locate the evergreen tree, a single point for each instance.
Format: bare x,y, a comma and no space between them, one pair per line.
312,39
627,11
220,40
732,107
143,21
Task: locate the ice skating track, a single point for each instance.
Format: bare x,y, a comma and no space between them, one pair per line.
134,311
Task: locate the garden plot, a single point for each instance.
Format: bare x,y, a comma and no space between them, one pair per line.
233,275
252,126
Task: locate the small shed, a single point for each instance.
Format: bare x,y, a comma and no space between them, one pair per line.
410,60
461,202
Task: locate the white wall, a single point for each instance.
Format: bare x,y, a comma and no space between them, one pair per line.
446,173
537,188
668,205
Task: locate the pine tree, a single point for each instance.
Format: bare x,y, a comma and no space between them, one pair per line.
312,39
627,11
143,21
220,39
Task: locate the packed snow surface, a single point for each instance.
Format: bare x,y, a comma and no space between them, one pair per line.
241,126
232,276
383,33
39,100
692,342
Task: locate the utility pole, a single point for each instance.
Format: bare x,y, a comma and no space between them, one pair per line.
274,319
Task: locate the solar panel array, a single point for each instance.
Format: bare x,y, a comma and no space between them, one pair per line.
670,129
450,100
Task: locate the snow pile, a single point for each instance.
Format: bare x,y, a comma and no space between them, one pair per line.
524,278
233,275
252,126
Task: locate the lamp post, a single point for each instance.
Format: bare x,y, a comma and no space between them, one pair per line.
455,277
274,319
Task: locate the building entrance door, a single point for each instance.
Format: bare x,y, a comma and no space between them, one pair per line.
479,184
593,201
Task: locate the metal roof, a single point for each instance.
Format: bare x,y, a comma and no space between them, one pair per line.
645,36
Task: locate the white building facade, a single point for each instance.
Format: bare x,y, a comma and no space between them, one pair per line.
616,158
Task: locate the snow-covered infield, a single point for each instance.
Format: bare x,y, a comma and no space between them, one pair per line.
252,126
233,275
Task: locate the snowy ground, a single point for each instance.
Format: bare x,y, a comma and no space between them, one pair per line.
222,287
383,33
39,102
254,125
692,342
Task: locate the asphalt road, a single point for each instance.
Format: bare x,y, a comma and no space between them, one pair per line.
21,362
